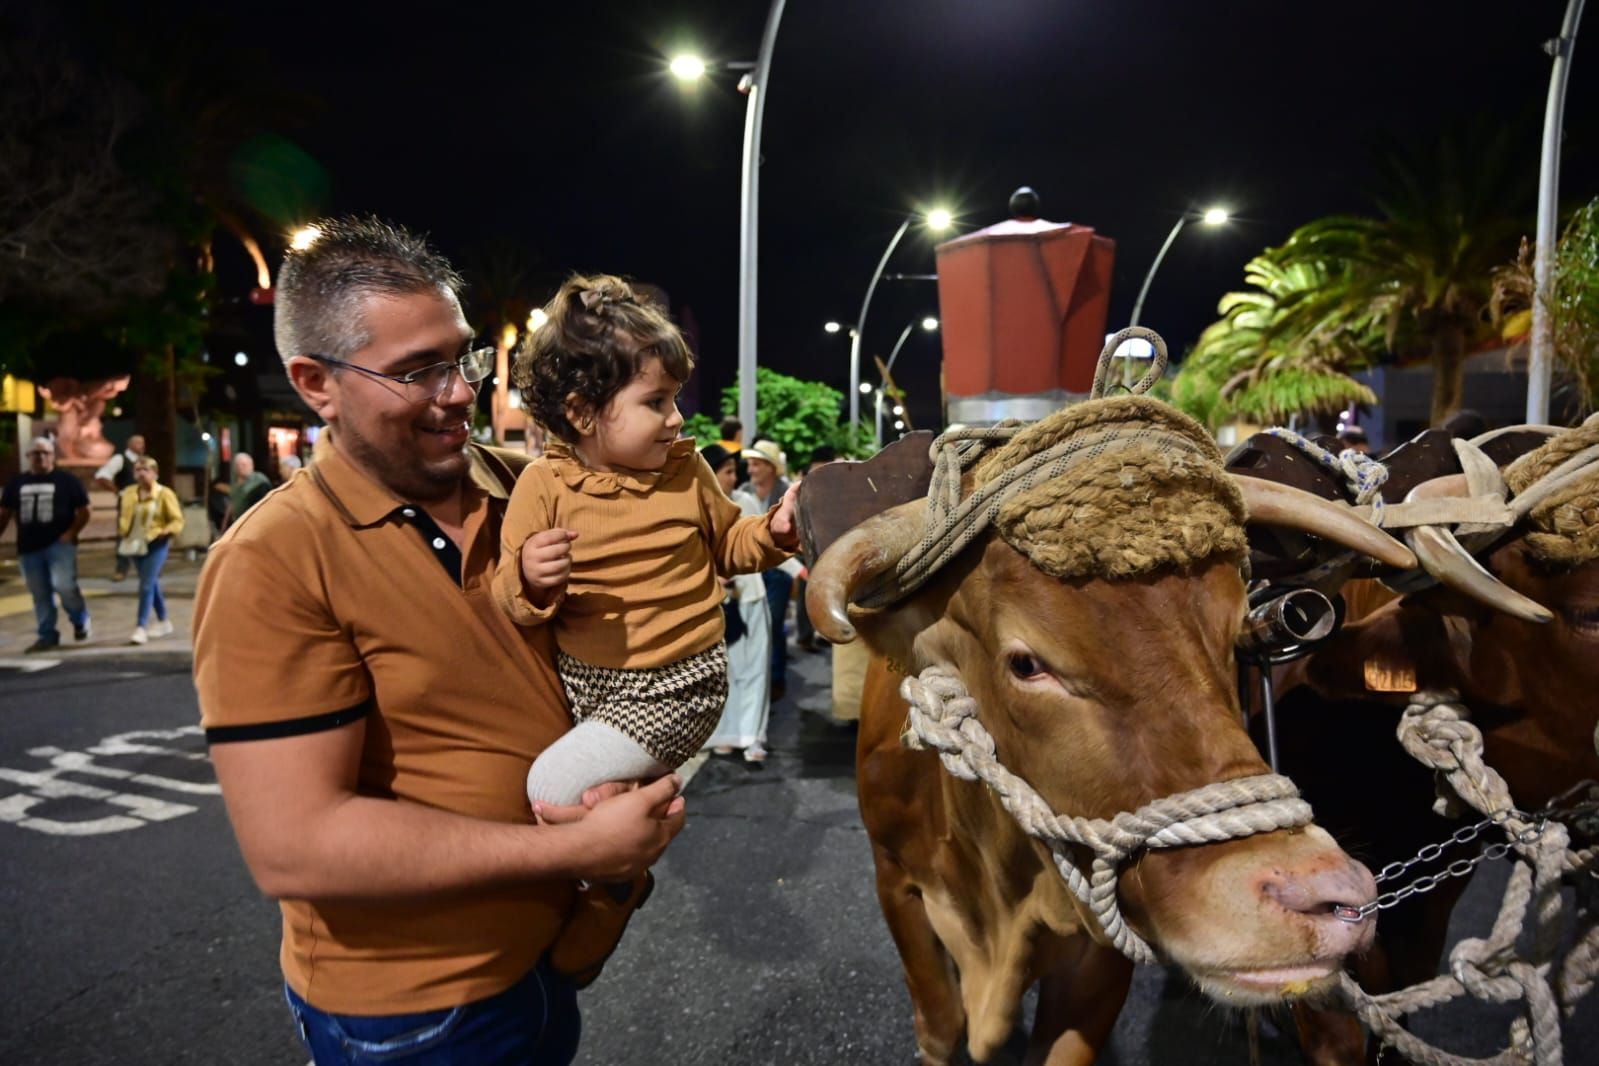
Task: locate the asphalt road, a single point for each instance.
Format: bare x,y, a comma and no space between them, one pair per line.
131,932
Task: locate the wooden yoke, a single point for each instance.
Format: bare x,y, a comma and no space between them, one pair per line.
836,497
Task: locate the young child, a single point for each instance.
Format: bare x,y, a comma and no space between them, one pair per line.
616,537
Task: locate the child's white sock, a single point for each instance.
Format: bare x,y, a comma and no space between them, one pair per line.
591,754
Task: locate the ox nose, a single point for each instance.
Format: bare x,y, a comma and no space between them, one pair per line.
1317,892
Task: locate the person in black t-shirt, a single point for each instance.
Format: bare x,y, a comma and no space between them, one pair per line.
51,508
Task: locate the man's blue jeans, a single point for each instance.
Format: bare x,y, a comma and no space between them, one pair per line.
52,572
535,1022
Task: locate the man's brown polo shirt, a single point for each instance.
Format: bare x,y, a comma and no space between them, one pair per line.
333,600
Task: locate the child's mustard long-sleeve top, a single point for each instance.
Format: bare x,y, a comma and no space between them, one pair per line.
643,590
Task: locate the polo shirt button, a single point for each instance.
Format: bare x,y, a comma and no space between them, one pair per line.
409,513
438,542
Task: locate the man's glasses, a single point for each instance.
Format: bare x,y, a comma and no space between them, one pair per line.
429,382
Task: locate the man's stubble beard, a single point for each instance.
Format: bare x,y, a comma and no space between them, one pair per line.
418,483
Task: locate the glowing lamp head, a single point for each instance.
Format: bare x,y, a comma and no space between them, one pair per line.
1215,216
687,67
939,219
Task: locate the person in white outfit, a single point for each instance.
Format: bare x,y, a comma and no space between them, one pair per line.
749,697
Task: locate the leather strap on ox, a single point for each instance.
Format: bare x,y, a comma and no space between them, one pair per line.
943,717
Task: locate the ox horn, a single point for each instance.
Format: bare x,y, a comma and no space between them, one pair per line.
855,558
1274,504
1452,566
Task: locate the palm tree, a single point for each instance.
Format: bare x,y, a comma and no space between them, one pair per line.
1246,366
1423,269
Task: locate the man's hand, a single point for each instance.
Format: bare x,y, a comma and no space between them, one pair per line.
784,532
625,827
547,562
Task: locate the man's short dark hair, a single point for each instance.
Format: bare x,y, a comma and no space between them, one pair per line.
731,427
322,286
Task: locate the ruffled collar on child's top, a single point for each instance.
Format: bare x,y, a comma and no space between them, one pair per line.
564,461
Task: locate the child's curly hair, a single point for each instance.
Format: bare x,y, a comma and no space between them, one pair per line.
598,336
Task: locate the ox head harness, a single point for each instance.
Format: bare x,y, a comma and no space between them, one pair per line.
943,715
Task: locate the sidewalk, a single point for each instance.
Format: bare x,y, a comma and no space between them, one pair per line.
113,606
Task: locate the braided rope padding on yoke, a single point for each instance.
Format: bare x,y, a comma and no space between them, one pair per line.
943,716
1564,522
1106,488
1436,730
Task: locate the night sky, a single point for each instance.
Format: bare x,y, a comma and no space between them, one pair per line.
553,131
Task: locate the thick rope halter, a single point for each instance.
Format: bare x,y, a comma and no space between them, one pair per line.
943,715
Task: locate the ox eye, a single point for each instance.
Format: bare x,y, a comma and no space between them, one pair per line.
1025,666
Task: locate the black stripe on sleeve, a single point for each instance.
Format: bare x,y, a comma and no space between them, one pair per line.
293,727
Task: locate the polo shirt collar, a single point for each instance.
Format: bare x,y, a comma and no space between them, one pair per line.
362,501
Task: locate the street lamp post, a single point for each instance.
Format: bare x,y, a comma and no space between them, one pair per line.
1214,216
1540,363
929,323
937,220
754,85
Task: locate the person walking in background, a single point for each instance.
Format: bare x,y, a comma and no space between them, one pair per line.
249,487
148,517
732,441
116,475
768,472
51,508
749,639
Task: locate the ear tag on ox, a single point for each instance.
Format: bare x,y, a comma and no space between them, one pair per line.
1389,676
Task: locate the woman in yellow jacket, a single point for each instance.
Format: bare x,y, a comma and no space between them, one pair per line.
148,517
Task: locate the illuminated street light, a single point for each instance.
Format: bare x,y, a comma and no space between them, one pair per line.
832,327
866,386
938,219
240,359
304,237
687,67
899,423
929,323
898,409
1214,216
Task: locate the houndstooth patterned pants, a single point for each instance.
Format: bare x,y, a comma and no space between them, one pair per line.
669,710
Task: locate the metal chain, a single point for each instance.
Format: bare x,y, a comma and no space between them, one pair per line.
1427,882
1461,867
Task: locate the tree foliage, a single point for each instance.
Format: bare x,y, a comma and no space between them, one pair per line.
1344,292
801,416
1247,365
1573,307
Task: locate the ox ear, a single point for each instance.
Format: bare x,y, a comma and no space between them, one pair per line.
838,497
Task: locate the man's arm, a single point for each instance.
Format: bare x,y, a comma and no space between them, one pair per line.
80,518
307,834
305,830
105,477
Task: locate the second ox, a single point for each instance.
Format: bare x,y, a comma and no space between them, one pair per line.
1079,593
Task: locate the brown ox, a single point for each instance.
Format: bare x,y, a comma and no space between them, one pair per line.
1530,689
1104,693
